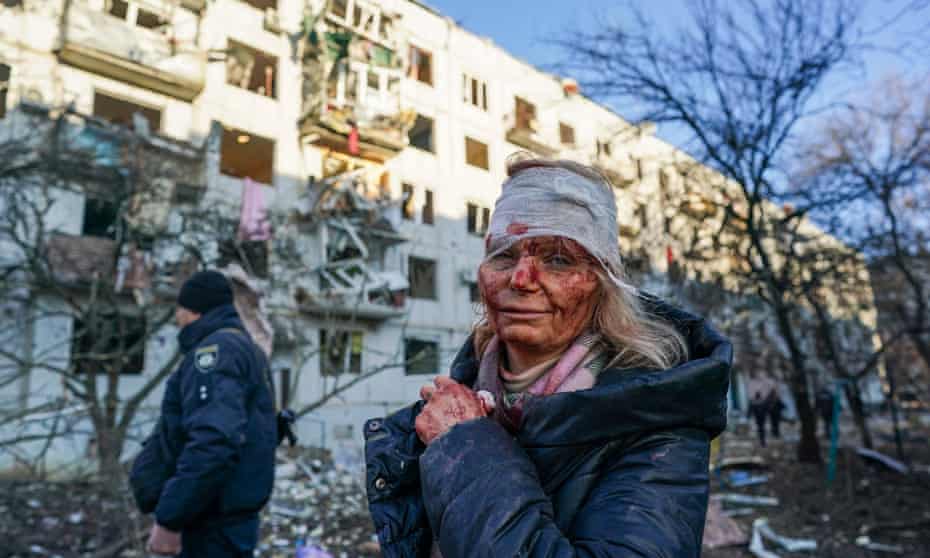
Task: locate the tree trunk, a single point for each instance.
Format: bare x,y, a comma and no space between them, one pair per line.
854,395
109,449
808,445
922,346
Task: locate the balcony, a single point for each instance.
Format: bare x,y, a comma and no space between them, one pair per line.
621,174
352,77
527,135
356,231
151,58
361,114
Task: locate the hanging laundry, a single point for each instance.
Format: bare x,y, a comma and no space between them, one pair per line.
253,219
353,140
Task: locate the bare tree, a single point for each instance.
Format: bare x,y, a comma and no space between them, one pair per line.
878,154
873,160
739,79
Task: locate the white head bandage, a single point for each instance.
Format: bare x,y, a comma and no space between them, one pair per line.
553,201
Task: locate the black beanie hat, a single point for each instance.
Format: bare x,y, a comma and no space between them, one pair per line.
204,291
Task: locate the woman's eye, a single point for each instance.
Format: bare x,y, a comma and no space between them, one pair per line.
559,260
503,258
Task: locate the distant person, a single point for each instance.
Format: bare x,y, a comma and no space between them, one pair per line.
776,409
576,420
761,389
825,402
209,466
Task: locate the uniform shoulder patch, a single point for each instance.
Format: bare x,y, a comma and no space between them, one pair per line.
205,358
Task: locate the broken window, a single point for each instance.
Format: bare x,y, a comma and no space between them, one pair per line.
408,210
120,111
340,352
421,357
245,155
4,87
339,8
478,218
525,114
476,153
134,14
421,274
363,17
186,194
252,255
427,214
421,134
149,20
421,65
566,134
475,92
107,343
251,69
118,8
100,218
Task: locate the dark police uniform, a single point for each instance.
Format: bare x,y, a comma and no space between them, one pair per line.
208,468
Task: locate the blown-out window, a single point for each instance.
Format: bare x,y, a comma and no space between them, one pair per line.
251,69
421,134
421,274
421,357
246,155
109,343
340,352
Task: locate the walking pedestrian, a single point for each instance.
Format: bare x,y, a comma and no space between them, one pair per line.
208,468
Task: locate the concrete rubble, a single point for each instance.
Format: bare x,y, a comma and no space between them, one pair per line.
318,507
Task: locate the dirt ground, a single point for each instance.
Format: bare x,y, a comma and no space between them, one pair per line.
323,504
865,498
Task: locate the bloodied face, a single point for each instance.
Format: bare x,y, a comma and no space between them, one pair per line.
540,293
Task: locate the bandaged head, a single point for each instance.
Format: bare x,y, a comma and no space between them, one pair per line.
554,201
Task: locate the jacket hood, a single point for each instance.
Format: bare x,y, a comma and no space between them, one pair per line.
629,401
221,317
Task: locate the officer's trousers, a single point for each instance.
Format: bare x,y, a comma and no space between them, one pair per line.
230,540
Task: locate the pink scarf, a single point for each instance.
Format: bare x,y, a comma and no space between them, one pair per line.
575,370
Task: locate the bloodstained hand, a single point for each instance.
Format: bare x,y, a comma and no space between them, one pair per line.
448,403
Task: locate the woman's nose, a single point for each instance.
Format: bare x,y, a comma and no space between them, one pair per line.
525,275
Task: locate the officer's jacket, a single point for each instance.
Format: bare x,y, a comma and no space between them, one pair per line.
211,457
620,469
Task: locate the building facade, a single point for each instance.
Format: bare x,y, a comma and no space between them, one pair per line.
373,137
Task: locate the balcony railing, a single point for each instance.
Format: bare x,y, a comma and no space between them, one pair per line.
104,44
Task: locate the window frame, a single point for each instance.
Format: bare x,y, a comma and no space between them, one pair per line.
567,130
477,222
487,154
435,357
414,72
352,362
475,92
412,262
432,134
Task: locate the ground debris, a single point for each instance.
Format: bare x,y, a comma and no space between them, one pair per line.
865,542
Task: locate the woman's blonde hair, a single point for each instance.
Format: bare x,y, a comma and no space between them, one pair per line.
632,336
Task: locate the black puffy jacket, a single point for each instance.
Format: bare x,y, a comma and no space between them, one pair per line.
620,469
211,458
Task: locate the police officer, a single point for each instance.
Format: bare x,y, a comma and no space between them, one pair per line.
209,467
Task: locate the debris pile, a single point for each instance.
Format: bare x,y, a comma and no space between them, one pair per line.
318,509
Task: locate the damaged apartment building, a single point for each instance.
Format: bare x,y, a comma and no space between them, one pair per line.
339,158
